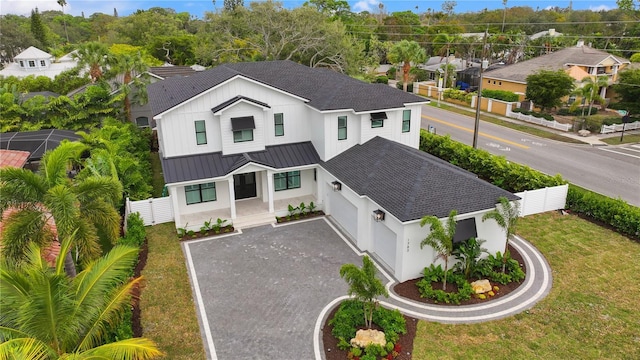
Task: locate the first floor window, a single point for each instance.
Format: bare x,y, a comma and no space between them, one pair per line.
201,132
406,120
200,193
32,63
42,63
243,135
286,180
21,63
278,120
342,127
142,121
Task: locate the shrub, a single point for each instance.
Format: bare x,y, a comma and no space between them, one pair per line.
136,232
391,73
350,316
433,274
399,85
456,94
491,268
500,95
577,112
382,80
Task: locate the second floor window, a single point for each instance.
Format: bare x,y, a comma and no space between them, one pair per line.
406,120
342,127
278,120
32,63
201,132
243,135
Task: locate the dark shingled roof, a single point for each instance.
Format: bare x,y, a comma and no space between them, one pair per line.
36,142
171,71
323,88
410,183
211,165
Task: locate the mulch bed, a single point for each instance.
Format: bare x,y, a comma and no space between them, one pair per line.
199,234
307,215
409,290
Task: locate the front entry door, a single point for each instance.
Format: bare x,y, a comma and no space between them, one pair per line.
245,185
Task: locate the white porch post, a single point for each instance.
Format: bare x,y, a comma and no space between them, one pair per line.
173,192
270,190
232,198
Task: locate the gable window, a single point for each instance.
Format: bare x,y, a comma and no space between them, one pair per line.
143,121
201,132
377,119
406,120
200,193
342,127
32,63
242,128
286,180
278,121
42,63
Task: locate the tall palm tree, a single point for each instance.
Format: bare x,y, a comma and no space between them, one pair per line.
96,56
506,214
84,206
442,46
129,65
62,4
47,315
364,285
406,52
504,13
440,239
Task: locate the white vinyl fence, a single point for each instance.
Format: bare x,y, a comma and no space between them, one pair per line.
153,211
607,129
540,121
542,200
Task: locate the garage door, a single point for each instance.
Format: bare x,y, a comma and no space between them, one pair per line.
384,244
345,213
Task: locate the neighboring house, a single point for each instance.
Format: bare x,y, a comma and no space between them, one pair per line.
245,140
34,61
36,143
578,61
435,66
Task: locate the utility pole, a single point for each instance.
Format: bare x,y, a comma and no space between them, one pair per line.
483,63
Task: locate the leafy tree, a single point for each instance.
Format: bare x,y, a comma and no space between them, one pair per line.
628,90
16,36
364,286
47,315
440,238
546,88
96,56
176,50
81,207
38,28
406,52
232,5
506,214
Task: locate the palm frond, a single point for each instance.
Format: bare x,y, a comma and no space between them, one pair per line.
19,187
25,349
22,228
63,205
104,217
54,163
99,187
135,348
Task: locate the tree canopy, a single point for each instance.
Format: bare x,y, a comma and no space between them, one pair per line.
546,88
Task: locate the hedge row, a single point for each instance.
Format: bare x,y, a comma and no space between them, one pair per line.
513,177
458,95
500,95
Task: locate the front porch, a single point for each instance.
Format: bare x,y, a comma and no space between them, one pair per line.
249,212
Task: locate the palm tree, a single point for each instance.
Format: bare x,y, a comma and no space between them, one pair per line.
591,89
47,315
62,4
441,239
406,52
506,214
95,55
129,65
364,286
442,45
84,206
504,13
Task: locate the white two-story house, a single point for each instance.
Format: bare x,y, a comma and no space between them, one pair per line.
243,141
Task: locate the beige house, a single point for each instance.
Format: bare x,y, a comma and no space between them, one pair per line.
579,62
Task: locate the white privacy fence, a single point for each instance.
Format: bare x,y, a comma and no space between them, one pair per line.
542,200
153,211
607,129
540,121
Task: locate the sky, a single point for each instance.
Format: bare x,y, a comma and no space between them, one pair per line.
198,7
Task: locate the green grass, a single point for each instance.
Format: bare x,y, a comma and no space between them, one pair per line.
158,179
626,139
590,313
529,129
167,306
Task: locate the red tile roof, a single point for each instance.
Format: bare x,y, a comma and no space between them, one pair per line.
13,158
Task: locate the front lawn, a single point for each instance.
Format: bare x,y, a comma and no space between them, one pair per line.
591,312
167,306
626,139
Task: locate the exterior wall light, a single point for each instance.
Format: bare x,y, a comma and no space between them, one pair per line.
337,186
378,215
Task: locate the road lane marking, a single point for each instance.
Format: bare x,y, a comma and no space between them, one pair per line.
621,153
480,133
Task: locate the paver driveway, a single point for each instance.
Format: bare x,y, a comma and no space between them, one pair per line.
260,293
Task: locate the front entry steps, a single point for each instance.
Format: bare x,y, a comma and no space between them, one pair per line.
243,222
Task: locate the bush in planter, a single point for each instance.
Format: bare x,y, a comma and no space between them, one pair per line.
350,316
500,95
491,268
436,274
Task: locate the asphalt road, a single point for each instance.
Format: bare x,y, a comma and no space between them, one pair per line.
610,170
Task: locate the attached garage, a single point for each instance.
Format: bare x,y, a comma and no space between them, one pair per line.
384,243
345,213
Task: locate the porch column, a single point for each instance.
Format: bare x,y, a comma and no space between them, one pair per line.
270,190
232,198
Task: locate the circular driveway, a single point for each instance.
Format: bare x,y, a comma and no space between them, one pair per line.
260,292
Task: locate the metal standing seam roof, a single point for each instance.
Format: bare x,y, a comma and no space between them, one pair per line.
213,165
325,89
36,142
409,183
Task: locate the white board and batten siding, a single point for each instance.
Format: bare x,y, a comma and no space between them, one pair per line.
542,200
153,211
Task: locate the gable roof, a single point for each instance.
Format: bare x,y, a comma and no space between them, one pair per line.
558,60
33,52
324,89
409,183
212,165
171,71
234,100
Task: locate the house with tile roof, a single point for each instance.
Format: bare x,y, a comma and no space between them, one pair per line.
243,141
578,61
34,61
